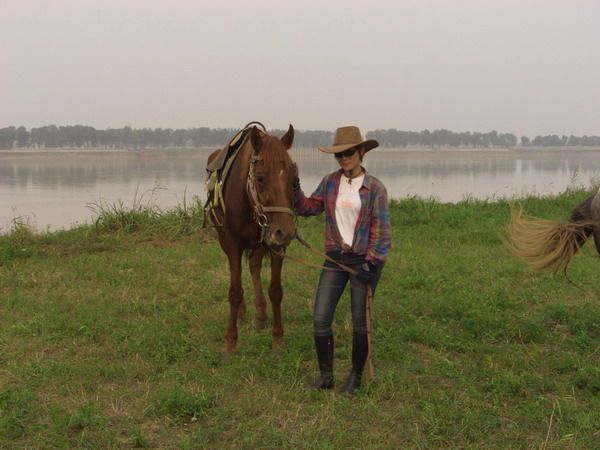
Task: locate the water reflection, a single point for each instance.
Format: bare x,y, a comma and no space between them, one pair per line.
53,189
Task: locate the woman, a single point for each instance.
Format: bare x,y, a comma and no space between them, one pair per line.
358,235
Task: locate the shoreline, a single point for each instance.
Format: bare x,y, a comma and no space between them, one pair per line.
30,150
141,215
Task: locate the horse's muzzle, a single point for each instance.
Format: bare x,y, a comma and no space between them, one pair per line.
280,235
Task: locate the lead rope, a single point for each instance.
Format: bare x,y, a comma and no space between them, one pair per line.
368,304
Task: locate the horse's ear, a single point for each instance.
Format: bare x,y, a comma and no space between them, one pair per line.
288,138
255,139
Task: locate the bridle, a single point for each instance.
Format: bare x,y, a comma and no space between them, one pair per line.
260,210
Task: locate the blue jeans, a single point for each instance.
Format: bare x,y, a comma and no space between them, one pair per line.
331,287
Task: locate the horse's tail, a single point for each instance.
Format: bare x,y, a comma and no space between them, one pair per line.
548,245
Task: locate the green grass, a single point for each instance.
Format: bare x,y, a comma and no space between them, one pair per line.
111,337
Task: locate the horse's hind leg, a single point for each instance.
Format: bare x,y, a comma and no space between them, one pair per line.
276,295
255,262
596,232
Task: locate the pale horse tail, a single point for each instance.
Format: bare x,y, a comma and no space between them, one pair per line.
550,245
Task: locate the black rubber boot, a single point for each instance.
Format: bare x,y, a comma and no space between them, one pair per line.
324,347
360,351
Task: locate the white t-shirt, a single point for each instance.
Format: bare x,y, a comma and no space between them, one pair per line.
347,207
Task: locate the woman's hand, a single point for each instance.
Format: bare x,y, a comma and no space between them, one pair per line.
365,273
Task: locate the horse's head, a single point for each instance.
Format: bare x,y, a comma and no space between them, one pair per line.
273,175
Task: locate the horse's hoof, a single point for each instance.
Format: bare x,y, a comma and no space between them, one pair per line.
228,349
278,344
261,324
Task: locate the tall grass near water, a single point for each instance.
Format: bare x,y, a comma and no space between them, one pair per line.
146,215
110,337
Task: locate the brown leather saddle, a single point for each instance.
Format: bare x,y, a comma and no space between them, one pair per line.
235,143
218,169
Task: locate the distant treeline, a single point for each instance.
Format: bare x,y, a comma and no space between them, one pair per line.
492,139
80,136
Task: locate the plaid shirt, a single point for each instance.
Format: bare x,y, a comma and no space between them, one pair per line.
372,235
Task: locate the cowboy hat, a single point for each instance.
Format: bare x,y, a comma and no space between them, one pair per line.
348,137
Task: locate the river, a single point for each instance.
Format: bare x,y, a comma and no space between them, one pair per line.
56,189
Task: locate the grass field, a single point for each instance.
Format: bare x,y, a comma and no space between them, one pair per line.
110,337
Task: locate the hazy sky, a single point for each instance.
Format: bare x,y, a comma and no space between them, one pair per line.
527,67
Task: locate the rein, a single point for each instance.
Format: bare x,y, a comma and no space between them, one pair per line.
341,266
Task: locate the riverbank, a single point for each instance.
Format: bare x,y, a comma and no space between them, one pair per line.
110,337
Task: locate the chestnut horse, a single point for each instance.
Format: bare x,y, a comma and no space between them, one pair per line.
257,197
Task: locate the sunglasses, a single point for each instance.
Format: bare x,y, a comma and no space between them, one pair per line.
346,153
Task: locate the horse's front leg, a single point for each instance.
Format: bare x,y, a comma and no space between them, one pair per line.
259,297
276,295
236,297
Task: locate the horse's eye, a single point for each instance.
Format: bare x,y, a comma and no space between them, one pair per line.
260,179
